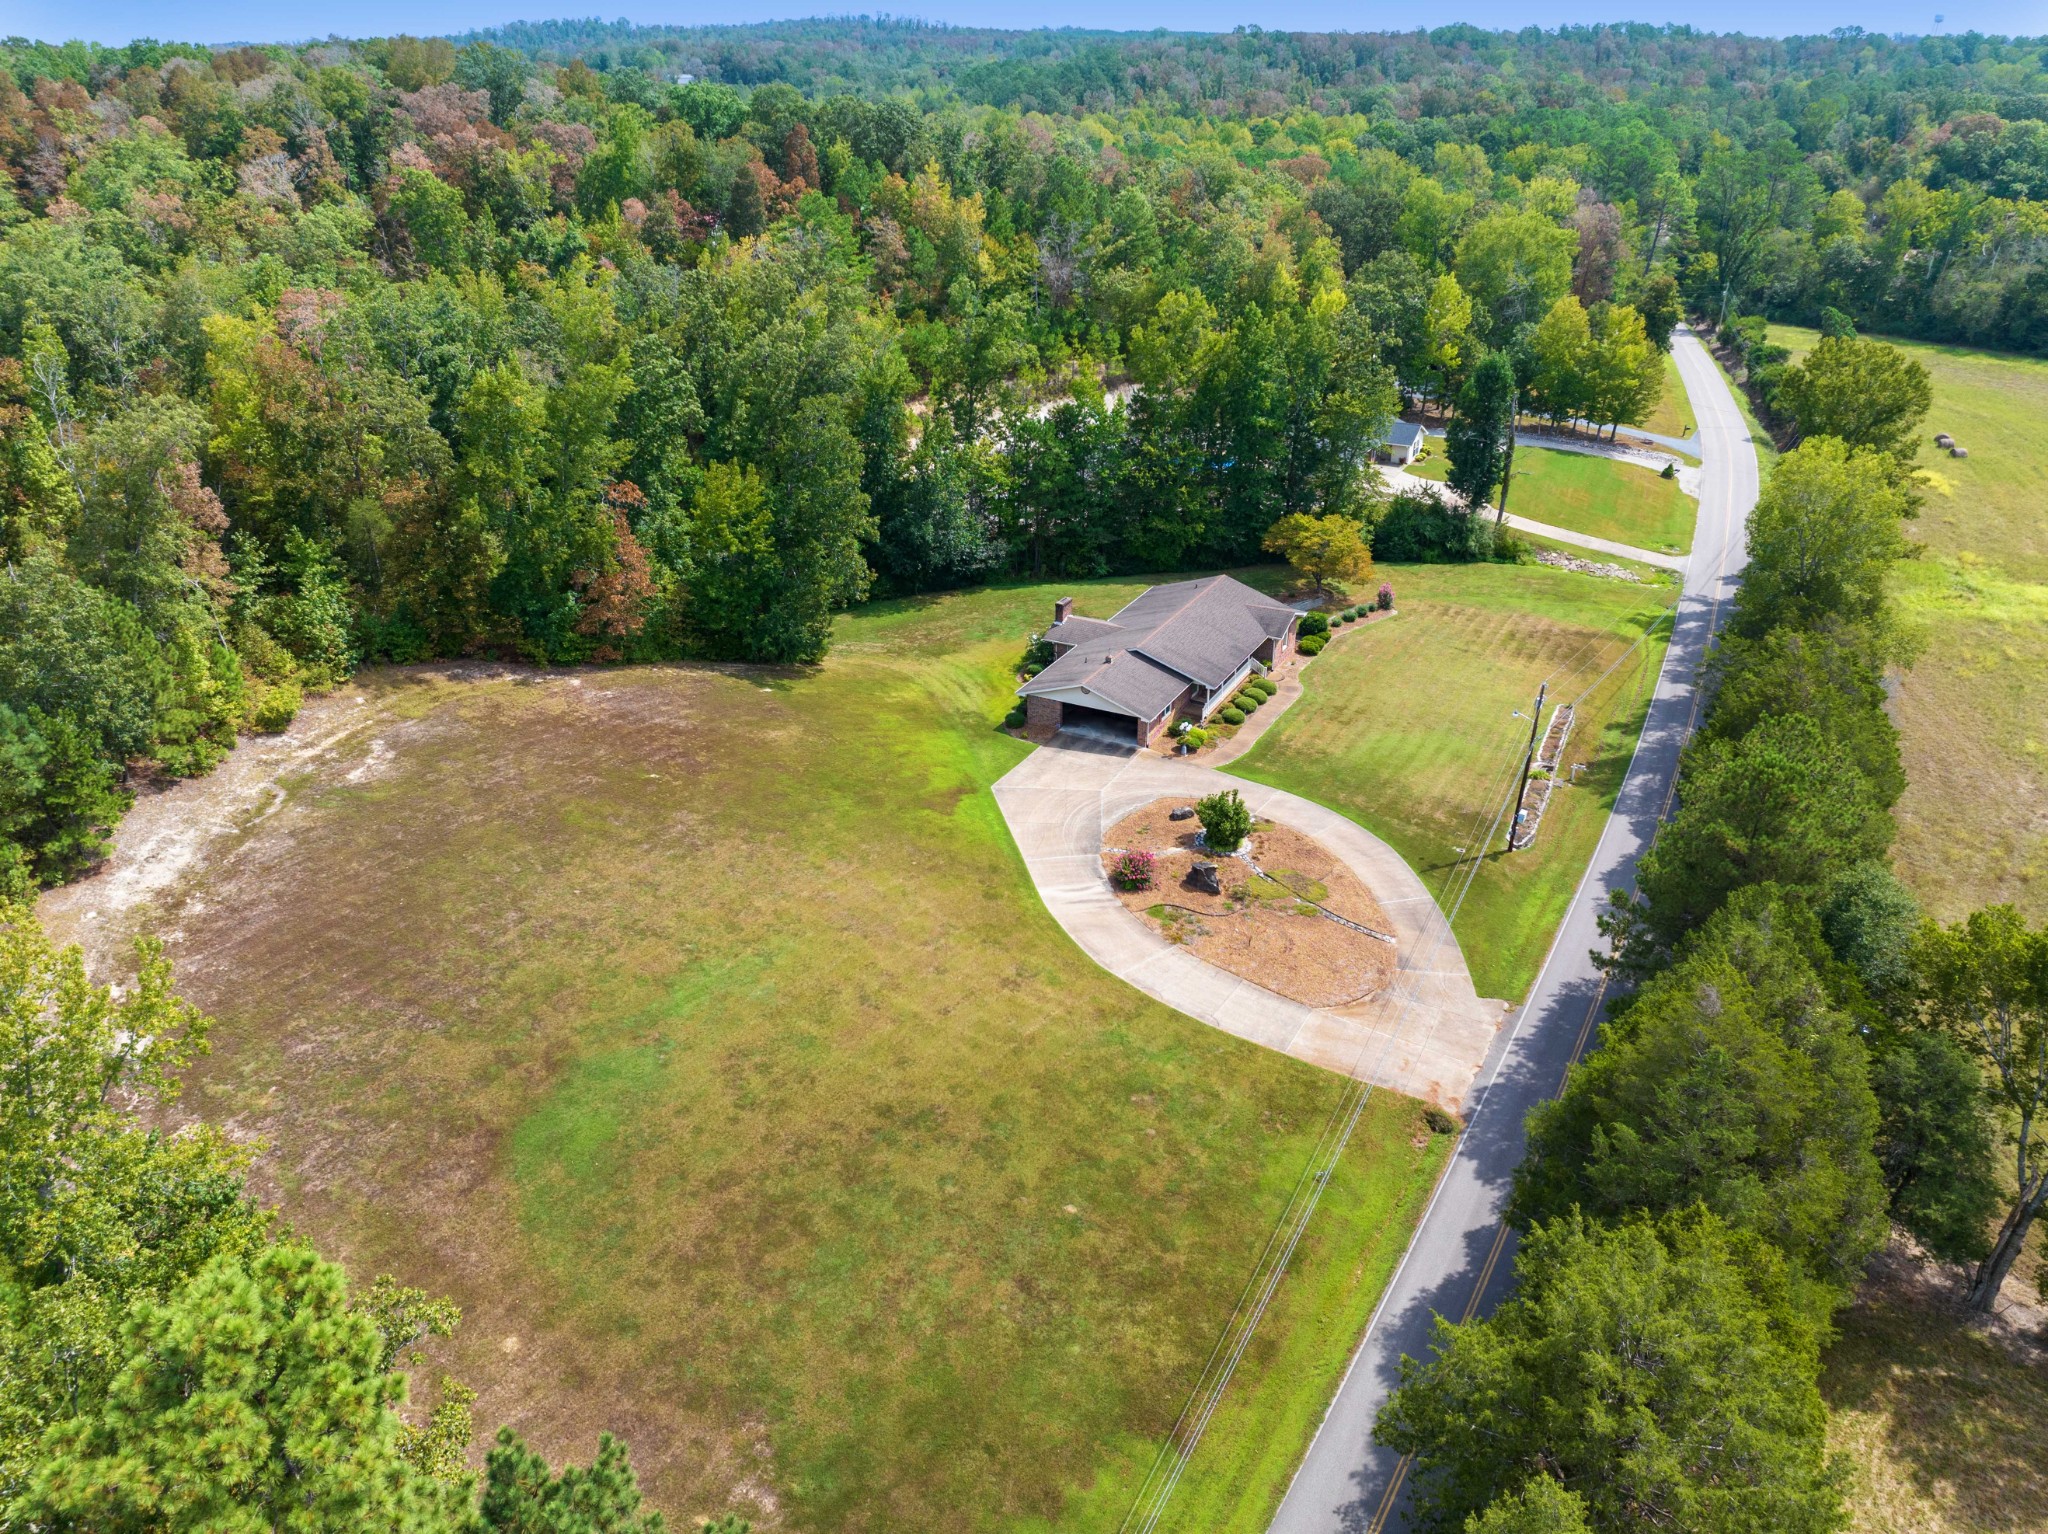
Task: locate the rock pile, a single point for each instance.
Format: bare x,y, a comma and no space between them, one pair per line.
1585,566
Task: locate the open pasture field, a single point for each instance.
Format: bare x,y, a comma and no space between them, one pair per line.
699,1031
1410,729
1973,709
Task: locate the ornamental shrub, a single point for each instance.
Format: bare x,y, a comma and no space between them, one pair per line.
1195,737
1132,870
1248,701
1313,645
1261,686
1386,598
1313,623
1226,821
1230,715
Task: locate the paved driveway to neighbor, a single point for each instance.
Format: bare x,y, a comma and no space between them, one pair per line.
1426,1034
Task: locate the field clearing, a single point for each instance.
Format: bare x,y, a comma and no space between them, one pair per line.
1605,497
1973,709
1410,729
697,1029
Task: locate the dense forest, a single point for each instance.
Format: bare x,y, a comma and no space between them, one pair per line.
582,343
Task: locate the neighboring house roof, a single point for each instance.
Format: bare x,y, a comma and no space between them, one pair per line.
1143,659
1405,434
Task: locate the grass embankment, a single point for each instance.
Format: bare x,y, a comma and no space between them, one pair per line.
1673,416
1944,1428
1410,729
700,1032
1603,497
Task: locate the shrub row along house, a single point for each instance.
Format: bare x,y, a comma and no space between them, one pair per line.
1178,651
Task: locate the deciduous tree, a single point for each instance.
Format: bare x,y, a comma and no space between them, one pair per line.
1322,550
1986,980
1867,393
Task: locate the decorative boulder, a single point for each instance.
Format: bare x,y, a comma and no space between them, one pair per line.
1943,439
1185,812
1203,876
1959,452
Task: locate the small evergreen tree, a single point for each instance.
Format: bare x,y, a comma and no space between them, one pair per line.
1225,821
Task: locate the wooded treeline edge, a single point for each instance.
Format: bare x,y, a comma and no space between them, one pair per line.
394,349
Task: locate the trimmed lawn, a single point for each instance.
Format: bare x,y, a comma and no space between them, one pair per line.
1673,416
1410,729
1973,825
698,1030
1601,496
1604,497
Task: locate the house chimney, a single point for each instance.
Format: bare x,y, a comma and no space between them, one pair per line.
1061,608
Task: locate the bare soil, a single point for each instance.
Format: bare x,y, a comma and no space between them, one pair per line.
1266,929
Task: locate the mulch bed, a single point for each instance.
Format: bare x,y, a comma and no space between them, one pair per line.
1258,928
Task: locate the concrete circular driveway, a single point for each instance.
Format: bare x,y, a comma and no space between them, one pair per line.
1425,1034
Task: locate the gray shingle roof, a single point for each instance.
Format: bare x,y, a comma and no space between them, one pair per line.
1078,630
1205,629
1405,434
1186,631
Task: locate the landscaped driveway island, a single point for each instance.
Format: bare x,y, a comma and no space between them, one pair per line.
1424,1034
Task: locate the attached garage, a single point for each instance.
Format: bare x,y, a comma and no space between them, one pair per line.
1178,650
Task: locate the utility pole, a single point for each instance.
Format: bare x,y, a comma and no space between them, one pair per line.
1528,761
1507,472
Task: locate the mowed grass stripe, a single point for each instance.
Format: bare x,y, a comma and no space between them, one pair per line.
1405,728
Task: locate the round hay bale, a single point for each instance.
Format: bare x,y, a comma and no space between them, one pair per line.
1959,452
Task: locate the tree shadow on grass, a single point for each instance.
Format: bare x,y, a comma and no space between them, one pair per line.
1935,1413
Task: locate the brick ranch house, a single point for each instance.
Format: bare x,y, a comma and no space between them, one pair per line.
1179,651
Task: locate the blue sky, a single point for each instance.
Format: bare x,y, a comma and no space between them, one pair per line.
115,21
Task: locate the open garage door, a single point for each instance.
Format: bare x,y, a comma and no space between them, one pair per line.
1099,724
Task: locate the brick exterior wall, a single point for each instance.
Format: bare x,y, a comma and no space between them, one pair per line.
1042,717
1151,735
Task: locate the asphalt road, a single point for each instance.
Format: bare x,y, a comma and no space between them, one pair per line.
1462,1259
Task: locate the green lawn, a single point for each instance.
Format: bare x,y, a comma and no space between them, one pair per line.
1973,709
697,1029
1673,416
1604,497
1601,496
1409,728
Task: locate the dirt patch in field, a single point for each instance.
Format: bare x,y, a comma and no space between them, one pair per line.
1273,923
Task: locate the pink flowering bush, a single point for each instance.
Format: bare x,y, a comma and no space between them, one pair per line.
1132,871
